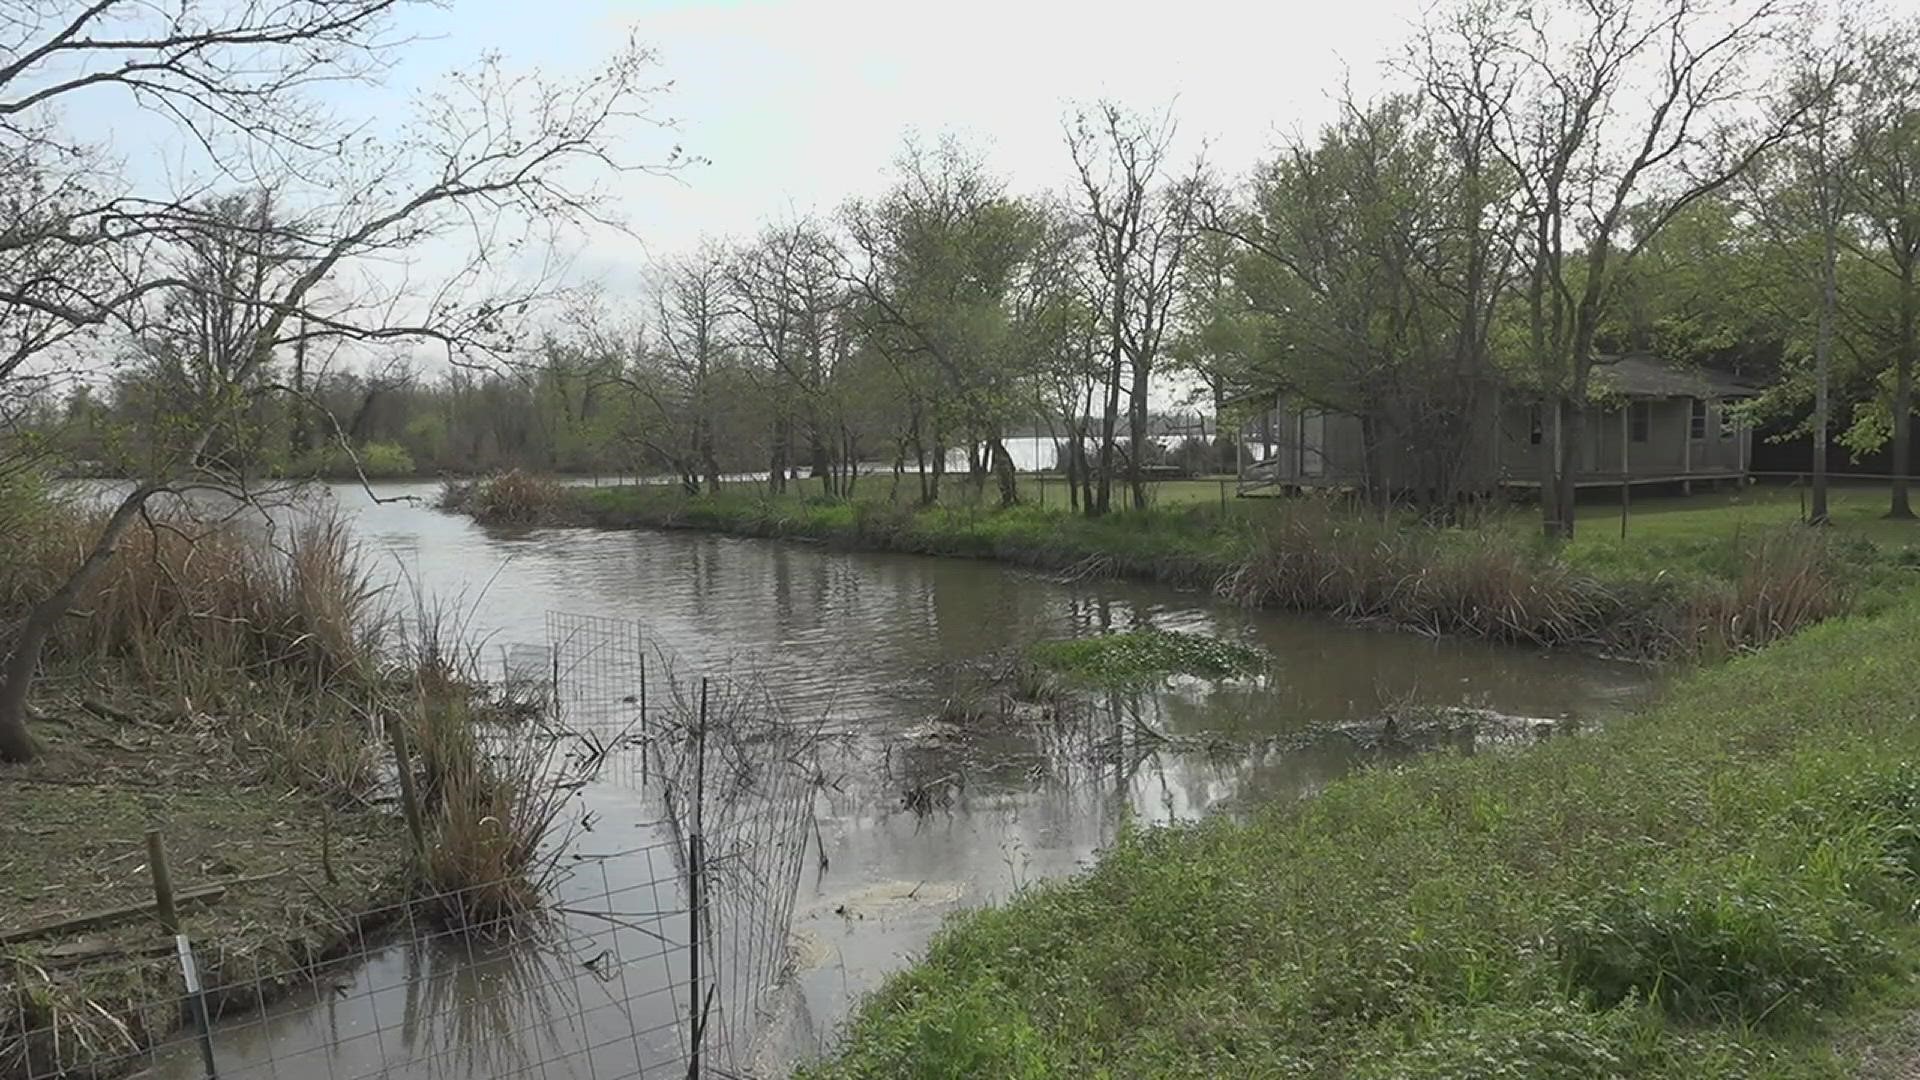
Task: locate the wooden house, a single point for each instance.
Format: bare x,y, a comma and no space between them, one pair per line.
1651,422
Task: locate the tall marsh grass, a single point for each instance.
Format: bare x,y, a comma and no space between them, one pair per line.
287,647
510,498
1496,583
184,599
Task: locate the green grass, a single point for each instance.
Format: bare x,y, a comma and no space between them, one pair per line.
1143,656
1047,490
1857,512
1715,887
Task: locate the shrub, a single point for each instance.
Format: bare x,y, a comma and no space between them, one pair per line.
882,522
375,461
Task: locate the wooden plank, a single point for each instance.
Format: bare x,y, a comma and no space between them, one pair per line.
205,894
79,953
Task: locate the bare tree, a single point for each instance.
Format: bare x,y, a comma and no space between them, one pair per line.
492,162
681,376
787,288
1057,335
1140,219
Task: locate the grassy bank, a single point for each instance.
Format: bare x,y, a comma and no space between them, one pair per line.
1690,592
233,691
1712,888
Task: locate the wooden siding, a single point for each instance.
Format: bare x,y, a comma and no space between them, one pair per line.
1503,452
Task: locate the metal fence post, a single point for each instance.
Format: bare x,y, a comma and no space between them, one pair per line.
197,997
696,893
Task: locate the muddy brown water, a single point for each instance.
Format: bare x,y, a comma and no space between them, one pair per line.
920,818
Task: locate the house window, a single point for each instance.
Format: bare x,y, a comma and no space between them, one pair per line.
1697,423
1727,422
1536,429
1640,420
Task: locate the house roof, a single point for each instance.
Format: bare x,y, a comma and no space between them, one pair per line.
1645,375
1631,374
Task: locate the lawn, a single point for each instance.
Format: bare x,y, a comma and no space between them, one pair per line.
1855,510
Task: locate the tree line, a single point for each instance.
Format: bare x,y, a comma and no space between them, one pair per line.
1538,186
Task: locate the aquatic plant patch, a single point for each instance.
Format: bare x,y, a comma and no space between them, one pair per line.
1136,657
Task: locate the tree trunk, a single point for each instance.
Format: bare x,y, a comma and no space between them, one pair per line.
1903,395
23,663
1003,469
1822,362
777,460
1109,420
1075,465
1575,426
1552,461
818,459
1137,434
939,469
1377,493
709,464
299,437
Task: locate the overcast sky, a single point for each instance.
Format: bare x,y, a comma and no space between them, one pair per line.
797,105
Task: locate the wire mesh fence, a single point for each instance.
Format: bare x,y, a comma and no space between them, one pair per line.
661,951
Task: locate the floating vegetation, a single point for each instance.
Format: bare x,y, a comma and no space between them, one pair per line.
1139,657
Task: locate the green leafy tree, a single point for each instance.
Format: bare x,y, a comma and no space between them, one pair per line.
933,262
1884,176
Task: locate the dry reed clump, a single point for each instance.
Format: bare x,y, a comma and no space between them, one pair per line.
1490,583
491,794
184,601
511,498
493,813
1786,583
1482,583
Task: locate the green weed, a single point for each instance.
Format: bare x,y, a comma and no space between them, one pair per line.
1143,656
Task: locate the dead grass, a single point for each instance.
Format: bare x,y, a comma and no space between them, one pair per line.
1498,584
302,871
492,858
510,498
187,601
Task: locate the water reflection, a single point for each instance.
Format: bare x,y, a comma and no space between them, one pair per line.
916,817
